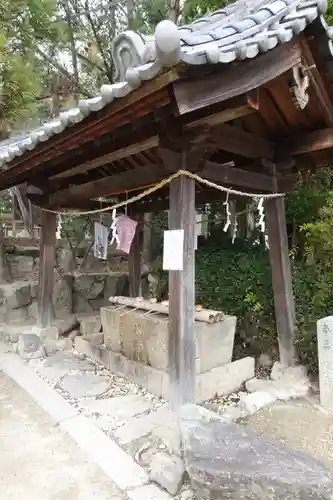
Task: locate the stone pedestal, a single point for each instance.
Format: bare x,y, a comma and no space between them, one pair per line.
325,356
143,338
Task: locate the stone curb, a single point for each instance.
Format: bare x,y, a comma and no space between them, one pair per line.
103,451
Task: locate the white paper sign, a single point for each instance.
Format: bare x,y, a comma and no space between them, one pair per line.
173,250
101,241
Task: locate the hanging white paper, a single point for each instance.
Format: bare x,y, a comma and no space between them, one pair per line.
101,241
173,250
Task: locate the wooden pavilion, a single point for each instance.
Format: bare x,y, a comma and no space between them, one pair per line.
243,97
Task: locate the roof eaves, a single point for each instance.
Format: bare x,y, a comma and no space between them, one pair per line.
239,31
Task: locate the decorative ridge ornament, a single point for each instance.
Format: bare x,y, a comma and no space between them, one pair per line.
299,86
130,50
167,41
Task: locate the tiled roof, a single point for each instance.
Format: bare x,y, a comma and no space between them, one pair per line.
239,31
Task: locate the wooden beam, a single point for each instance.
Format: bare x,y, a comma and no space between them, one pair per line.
238,141
232,81
108,185
317,82
76,195
182,370
231,176
307,143
223,116
281,279
47,264
110,157
134,263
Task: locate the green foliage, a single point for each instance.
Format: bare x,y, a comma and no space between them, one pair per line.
237,279
194,9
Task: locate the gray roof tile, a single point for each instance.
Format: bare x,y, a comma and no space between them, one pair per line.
238,31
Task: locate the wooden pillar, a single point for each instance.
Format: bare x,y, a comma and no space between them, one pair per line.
147,238
182,373
281,278
134,264
47,264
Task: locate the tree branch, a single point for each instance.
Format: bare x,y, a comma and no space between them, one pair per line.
91,63
73,50
62,70
98,42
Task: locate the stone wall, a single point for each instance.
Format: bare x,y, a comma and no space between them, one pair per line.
18,302
74,292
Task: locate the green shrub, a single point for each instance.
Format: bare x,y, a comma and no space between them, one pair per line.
236,278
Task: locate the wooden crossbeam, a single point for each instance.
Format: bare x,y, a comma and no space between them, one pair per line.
307,143
238,141
152,174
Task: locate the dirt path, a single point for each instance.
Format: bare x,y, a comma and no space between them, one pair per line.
299,425
38,460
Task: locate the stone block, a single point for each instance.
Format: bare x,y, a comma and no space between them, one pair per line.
277,371
224,460
49,333
66,325
214,343
168,432
118,409
16,295
34,289
52,346
94,339
221,380
89,285
144,338
293,384
22,266
167,471
33,310
63,297
155,381
20,315
224,379
11,333
84,385
251,403
138,427
30,347
111,328
89,323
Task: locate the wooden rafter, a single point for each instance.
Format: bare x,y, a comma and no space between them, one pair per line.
151,94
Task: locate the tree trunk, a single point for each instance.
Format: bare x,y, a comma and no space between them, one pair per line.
130,13
173,10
